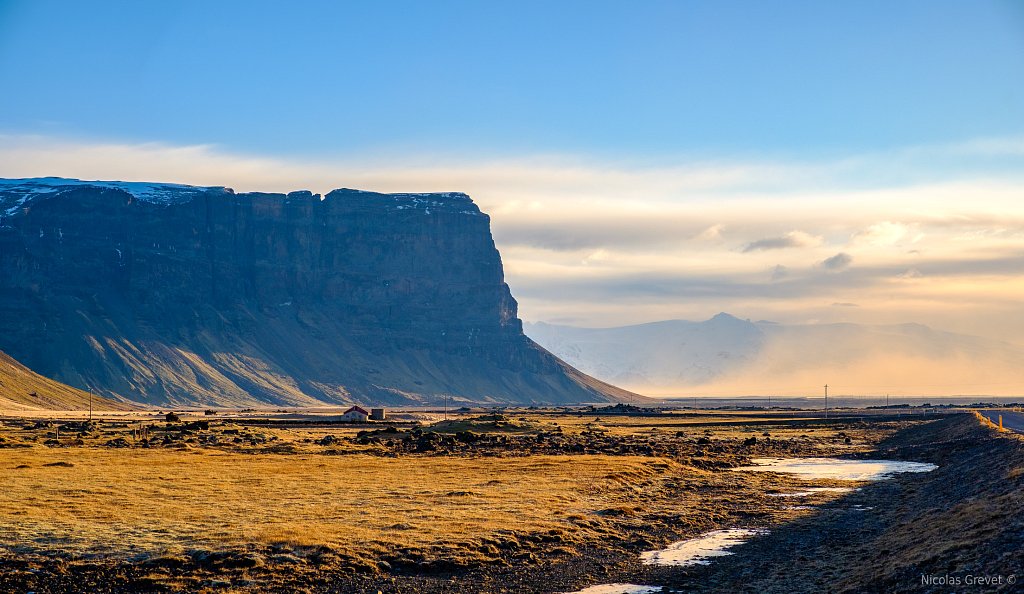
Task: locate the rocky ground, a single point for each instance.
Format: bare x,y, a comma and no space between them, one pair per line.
959,528
485,435
909,530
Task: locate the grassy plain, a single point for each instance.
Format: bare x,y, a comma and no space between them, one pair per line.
503,503
168,501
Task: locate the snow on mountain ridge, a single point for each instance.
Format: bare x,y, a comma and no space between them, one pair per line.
16,193
24,190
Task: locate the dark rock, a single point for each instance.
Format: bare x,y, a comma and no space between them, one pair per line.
284,559
392,298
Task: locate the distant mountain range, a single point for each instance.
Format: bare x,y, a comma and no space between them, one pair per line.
726,355
181,295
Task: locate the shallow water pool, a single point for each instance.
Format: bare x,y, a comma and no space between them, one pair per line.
700,550
837,468
618,589
812,491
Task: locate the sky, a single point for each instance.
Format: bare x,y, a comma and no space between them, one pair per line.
803,162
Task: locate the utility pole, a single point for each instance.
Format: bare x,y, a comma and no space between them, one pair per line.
826,401
446,406
887,402
90,407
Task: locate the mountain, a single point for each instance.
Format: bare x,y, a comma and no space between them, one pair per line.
729,356
21,389
182,295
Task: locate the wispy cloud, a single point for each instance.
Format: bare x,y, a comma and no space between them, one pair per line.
884,233
793,239
837,262
617,241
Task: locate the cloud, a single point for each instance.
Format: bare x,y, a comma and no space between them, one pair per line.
608,241
793,239
596,257
629,283
522,183
668,286
884,233
563,230
711,233
840,261
989,147
844,304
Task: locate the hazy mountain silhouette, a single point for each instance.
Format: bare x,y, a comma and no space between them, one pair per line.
729,356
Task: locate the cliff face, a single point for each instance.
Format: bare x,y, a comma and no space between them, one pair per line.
176,294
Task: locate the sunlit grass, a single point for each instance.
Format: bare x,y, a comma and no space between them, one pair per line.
165,501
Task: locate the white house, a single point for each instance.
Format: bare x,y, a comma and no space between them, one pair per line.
355,415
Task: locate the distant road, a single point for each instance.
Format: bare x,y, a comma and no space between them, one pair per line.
1011,420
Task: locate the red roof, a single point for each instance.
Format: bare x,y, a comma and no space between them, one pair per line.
358,410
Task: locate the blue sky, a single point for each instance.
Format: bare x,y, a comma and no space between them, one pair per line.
623,79
804,162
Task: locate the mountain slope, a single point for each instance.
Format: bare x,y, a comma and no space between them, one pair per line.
21,388
729,356
176,294
673,352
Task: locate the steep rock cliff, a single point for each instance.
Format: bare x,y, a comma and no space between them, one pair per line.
175,294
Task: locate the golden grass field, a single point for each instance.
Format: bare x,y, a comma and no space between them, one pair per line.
299,508
161,502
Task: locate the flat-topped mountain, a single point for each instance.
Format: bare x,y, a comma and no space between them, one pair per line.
175,294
